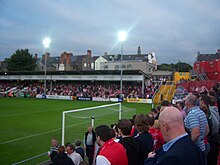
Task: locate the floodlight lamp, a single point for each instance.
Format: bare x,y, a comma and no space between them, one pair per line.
46,42
122,36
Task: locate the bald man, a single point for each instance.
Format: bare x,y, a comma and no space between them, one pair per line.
179,149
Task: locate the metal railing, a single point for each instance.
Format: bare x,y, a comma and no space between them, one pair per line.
41,159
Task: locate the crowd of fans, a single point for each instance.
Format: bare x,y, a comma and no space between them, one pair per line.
184,133
81,89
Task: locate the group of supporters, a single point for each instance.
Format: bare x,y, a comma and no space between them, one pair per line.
81,89
185,133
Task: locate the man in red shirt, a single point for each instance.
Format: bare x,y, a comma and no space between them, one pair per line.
111,152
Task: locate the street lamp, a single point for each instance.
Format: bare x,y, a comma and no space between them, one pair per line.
122,37
46,43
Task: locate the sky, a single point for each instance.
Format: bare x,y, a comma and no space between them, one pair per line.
174,29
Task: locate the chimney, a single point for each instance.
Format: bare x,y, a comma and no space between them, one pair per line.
48,55
218,51
35,56
89,53
43,58
68,58
139,50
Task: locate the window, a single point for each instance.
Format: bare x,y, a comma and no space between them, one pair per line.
129,67
92,65
116,67
85,64
105,67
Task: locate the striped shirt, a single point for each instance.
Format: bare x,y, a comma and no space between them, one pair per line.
194,119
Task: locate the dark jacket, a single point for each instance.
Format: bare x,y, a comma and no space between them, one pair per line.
145,144
62,159
131,149
93,137
182,152
80,151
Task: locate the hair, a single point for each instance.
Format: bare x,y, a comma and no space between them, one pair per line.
205,99
205,109
212,93
154,110
156,124
213,100
112,132
67,143
158,108
78,142
71,147
165,103
214,88
192,99
103,131
61,149
150,119
181,103
141,123
125,126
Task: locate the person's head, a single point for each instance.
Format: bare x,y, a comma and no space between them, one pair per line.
215,89
165,103
213,100
153,110
171,123
70,149
90,129
141,123
124,127
67,143
103,134
205,109
78,142
54,142
112,132
156,124
61,149
180,105
158,108
212,93
151,119
191,101
204,100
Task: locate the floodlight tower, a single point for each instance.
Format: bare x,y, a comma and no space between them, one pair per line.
122,37
46,43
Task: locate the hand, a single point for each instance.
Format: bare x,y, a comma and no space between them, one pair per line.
151,154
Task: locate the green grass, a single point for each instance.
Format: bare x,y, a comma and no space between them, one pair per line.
27,125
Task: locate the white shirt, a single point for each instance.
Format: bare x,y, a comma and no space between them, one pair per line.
101,160
76,158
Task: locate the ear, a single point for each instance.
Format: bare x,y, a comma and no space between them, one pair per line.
119,131
98,138
166,127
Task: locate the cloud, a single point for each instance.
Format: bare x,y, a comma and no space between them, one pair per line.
174,30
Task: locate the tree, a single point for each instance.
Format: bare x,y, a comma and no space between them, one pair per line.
183,67
21,60
180,66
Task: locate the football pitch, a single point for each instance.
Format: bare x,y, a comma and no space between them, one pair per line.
27,125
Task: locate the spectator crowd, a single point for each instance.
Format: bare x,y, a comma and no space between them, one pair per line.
81,89
184,133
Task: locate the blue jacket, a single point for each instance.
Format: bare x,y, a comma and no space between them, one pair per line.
182,152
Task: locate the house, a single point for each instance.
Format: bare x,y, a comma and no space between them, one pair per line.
207,66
